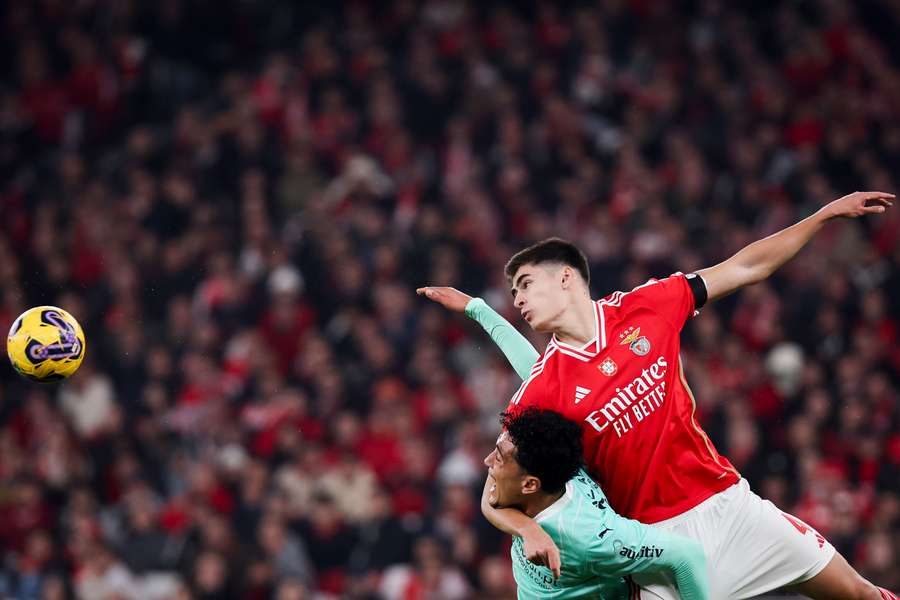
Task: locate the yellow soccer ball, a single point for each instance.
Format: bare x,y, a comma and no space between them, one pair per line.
45,344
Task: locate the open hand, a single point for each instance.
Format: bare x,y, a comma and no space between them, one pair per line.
448,297
540,549
858,204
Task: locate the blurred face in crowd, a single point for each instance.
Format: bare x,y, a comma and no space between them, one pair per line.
100,559
54,588
494,576
290,590
509,484
540,293
215,532
142,519
271,535
39,548
427,551
210,572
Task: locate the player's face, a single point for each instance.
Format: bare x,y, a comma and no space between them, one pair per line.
505,474
538,294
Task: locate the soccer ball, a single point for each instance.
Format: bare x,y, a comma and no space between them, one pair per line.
45,344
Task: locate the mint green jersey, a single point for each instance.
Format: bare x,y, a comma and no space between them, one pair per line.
598,549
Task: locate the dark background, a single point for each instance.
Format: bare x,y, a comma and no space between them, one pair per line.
238,198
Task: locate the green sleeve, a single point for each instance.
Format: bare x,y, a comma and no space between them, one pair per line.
690,572
632,547
518,350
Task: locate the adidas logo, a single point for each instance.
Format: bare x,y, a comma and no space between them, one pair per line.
580,393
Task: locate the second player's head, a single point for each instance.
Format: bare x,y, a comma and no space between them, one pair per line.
545,279
537,453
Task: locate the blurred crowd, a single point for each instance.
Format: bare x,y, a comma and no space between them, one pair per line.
237,199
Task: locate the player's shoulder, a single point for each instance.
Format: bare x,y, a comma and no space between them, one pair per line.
585,484
581,509
544,362
639,293
532,389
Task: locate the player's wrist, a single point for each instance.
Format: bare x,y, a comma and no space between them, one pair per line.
529,528
825,214
472,306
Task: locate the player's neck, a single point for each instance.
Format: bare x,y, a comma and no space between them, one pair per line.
540,503
576,325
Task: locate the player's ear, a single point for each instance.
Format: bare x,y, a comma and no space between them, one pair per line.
530,484
566,277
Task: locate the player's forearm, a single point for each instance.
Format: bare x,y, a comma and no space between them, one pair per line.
768,254
687,564
760,259
656,550
507,520
517,349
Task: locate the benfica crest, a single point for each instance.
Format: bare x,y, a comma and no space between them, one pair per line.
608,367
637,343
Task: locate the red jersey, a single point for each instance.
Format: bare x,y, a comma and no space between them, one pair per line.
626,387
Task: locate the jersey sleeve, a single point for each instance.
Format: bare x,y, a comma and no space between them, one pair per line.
515,347
676,298
627,547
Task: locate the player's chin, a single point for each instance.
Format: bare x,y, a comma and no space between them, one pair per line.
539,326
531,320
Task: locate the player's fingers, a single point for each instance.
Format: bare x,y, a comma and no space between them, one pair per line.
879,195
872,198
555,564
538,559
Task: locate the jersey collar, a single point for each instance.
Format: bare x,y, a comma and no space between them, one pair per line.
595,345
557,506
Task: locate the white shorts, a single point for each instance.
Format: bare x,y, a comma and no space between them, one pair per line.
751,546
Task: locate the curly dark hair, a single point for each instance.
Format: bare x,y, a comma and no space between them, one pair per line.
551,250
548,445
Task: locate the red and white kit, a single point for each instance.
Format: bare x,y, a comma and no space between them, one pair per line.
645,447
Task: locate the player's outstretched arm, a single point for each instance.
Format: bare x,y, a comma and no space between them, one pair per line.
539,546
760,259
632,548
517,349
687,563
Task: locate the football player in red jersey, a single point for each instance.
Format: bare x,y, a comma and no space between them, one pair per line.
613,365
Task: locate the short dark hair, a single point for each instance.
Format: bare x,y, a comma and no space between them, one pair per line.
548,445
554,250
